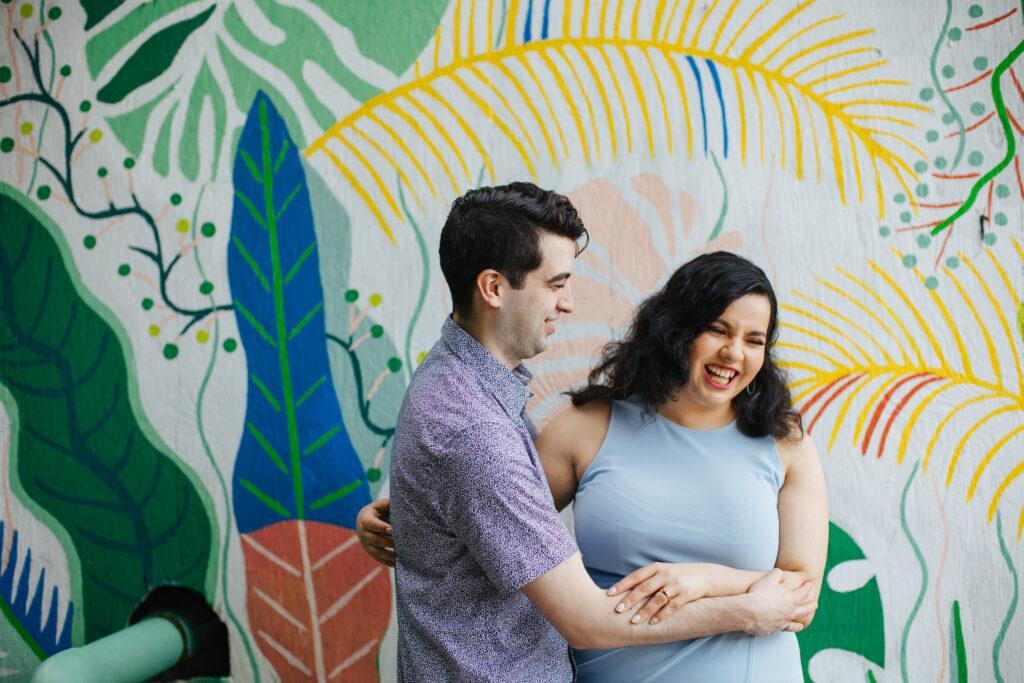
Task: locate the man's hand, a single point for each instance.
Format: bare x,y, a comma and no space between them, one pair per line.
778,608
374,531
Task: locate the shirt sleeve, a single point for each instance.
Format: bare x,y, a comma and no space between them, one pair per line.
498,504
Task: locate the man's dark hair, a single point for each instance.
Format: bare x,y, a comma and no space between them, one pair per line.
653,360
500,228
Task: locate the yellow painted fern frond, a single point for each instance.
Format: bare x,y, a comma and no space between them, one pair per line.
517,92
889,364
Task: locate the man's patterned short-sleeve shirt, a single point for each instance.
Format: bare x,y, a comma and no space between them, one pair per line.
473,521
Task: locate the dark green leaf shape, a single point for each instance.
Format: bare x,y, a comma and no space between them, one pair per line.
152,59
957,650
847,621
130,516
97,10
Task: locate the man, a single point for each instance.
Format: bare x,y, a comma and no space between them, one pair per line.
489,583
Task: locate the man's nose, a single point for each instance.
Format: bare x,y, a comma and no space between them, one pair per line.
565,302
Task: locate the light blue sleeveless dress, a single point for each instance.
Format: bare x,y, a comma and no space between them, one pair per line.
659,492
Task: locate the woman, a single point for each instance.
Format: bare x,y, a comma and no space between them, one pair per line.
683,451
690,472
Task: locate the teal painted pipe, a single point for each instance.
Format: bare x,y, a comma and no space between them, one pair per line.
130,655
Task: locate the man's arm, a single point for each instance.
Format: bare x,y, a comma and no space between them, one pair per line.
585,615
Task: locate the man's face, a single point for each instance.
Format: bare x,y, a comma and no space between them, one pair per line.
527,316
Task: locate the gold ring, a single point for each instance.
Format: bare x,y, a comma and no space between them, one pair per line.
667,596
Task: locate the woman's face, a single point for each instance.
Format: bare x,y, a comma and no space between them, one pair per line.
727,356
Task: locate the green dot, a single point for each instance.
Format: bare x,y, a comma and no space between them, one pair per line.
129,162
974,11
124,269
955,34
394,364
26,10
1002,191
170,351
999,219
921,166
54,13
899,198
924,240
980,63
990,238
948,118
910,260
351,295
175,199
926,94
85,106
6,145
420,357
931,282
948,71
977,108
5,74
26,128
952,262
96,135
940,162
377,331
208,229
65,71
931,136
906,216
43,192
147,303
101,172
206,287
975,158
89,241
375,299
884,231
373,474
921,190
230,345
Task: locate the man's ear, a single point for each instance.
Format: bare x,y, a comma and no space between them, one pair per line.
490,286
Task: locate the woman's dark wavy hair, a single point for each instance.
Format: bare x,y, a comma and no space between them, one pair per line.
652,361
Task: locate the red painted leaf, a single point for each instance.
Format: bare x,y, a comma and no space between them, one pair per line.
318,605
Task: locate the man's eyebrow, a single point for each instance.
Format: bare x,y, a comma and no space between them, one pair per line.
560,276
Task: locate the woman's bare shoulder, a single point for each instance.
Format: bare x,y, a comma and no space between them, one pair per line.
578,427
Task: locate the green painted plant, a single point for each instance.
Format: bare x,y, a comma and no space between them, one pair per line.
129,516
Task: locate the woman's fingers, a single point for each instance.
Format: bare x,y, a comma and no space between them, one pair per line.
632,579
657,602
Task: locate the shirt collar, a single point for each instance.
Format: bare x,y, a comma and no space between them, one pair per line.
509,387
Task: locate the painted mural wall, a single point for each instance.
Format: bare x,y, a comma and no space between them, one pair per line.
218,230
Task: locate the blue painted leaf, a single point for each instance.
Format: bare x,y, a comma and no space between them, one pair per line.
295,460
26,615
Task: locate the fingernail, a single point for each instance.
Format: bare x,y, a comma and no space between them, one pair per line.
620,607
613,590
635,619
654,620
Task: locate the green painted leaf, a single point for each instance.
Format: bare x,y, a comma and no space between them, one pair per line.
97,10
130,516
152,59
308,53
103,45
848,621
